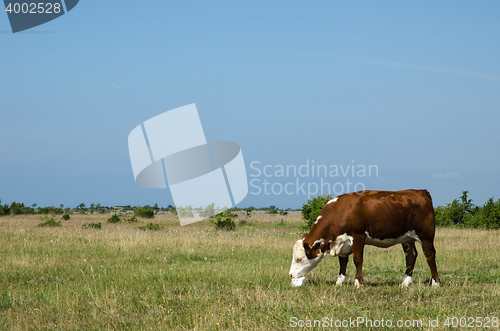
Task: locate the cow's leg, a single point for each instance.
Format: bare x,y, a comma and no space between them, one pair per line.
357,255
411,256
430,254
343,267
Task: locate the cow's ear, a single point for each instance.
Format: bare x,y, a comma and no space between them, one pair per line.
325,246
307,249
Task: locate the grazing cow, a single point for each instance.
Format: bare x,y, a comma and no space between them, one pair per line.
380,218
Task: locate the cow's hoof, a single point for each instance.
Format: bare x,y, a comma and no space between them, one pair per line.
340,280
357,284
434,283
406,281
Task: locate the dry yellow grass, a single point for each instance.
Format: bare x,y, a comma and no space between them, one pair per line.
197,278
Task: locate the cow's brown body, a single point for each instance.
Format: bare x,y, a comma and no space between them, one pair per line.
379,218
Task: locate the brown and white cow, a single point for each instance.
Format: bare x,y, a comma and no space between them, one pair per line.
380,218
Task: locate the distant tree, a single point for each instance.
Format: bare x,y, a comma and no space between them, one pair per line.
272,210
208,211
490,215
81,206
144,212
92,206
185,211
34,205
4,210
312,209
50,210
17,208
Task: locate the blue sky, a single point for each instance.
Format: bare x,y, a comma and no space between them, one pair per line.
412,88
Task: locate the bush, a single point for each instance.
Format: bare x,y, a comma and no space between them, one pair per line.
20,209
50,210
224,220
66,217
463,213
4,210
312,209
144,212
150,226
133,219
92,225
114,219
209,211
272,210
49,222
185,211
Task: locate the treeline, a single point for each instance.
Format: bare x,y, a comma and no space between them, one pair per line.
460,213
16,208
463,213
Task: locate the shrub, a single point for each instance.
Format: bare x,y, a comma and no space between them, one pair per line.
20,209
50,210
114,219
312,209
92,225
185,211
133,219
4,210
209,211
144,212
66,217
463,213
224,220
272,210
150,226
48,222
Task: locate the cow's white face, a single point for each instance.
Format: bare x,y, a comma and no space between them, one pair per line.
301,265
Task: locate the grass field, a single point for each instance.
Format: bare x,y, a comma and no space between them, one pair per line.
197,278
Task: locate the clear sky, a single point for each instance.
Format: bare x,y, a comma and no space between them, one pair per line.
410,87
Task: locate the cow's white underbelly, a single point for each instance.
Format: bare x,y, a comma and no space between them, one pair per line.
388,242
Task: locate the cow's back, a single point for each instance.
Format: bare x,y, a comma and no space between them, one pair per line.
381,214
388,214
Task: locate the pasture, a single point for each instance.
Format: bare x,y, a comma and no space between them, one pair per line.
198,278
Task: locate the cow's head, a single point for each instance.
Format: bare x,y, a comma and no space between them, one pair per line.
305,257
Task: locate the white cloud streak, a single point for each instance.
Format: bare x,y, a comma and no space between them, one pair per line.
481,75
447,175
